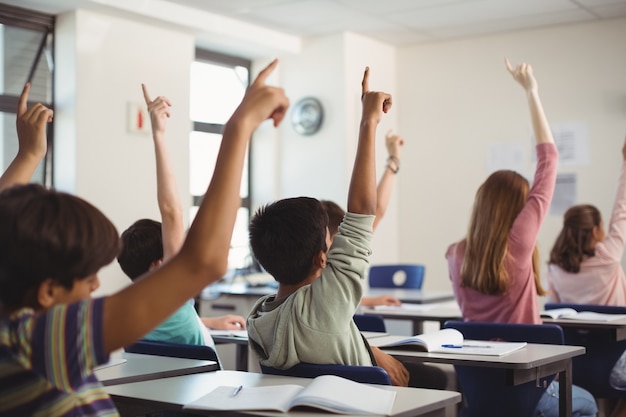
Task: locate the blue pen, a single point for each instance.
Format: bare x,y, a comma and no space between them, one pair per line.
237,391
452,346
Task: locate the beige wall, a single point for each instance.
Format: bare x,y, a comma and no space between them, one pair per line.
456,99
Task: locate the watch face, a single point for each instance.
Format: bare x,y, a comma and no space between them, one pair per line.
307,116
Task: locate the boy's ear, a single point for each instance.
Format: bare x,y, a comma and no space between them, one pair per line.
155,264
319,261
46,293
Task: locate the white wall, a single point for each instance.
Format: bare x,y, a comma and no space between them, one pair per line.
101,63
456,99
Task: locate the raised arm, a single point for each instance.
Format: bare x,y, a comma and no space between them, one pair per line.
170,207
385,185
31,135
523,74
362,191
203,258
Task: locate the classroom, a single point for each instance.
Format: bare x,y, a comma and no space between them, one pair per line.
453,102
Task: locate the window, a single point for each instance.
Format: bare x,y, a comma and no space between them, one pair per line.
26,45
218,83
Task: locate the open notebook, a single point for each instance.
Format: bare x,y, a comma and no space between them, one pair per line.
326,392
570,313
447,341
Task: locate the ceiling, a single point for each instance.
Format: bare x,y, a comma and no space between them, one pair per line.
398,22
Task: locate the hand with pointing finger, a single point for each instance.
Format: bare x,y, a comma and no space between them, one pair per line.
159,110
374,102
262,102
523,74
31,126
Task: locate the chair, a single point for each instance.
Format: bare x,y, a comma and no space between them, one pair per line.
369,323
485,390
396,276
364,374
176,350
592,370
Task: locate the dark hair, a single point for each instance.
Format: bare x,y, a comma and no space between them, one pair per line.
576,239
286,235
335,216
142,244
49,234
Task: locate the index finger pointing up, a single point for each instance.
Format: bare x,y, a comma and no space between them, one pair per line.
22,103
146,96
260,79
365,83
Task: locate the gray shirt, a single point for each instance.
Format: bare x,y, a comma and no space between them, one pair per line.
314,324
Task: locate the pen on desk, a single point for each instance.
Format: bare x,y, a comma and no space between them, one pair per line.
462,346
237,391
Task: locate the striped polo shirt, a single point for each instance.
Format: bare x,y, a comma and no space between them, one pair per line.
47,361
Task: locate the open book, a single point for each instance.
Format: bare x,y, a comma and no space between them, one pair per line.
570,313
447,341
326,392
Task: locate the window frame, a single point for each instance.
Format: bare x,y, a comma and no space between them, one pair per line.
44,23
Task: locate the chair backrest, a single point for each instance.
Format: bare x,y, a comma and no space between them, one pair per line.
485,390
370,323
396,276
176,350
364,374
592,370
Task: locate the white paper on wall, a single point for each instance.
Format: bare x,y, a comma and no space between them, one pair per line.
565,194
505,156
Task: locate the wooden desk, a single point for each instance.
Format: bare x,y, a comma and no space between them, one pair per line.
240,339
173,393
417,315
616,327
531,363
146,367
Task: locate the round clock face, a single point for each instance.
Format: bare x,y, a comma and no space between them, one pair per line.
307,116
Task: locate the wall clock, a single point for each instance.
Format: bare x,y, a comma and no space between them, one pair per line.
307,116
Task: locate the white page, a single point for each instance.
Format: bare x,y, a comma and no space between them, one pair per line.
334,393
277,397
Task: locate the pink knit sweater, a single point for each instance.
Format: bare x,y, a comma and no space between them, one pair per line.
519,303
601,278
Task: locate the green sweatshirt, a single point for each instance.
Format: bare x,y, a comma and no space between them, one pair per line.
314,324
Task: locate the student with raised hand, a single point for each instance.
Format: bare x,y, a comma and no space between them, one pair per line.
52,245
31,124
585,262
394,143
320,286
495,269
147,244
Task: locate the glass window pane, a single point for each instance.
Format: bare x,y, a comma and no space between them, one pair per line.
9,145
203,149
216,91
19,51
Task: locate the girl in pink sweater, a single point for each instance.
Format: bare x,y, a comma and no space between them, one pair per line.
494,270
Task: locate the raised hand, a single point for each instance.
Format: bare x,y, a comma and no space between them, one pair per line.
159,110
374,102
31,126
394,142
523,74
262,102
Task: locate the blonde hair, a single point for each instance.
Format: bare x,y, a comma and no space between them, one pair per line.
498,202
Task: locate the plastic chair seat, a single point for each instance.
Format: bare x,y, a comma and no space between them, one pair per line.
363,374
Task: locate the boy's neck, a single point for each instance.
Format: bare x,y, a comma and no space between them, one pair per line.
285,290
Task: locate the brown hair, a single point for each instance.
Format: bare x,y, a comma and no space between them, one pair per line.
498,202
49,234
576,239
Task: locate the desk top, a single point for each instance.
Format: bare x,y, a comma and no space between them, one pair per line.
571,322
146,367
407,295
531,356
404,295
185,389
426,312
